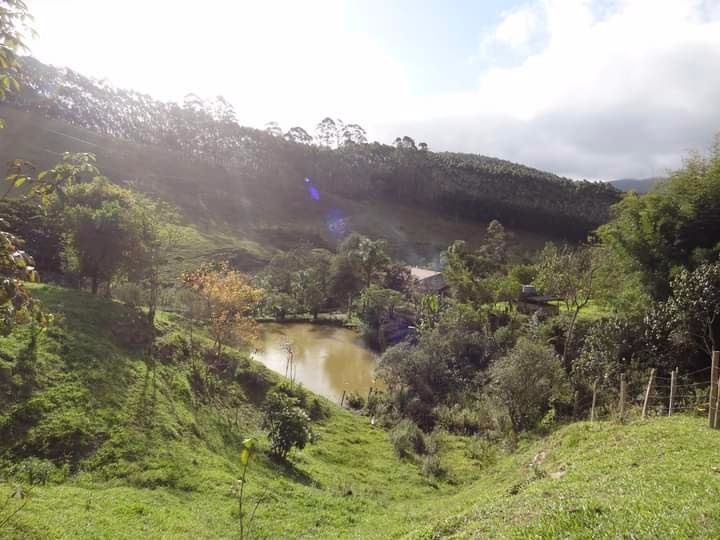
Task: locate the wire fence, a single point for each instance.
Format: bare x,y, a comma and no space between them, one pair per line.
656,394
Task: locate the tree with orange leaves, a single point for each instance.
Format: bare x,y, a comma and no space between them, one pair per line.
224,300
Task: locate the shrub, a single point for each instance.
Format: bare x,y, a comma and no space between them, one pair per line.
481,450
527,382
288,425
355,401
465,420
431,466
406,438
317,410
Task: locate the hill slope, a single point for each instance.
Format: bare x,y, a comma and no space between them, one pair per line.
220,173
137,449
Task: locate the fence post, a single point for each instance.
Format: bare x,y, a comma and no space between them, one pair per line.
717,404
592,408
647,392
342,399
370,392
673,382
712,405
622,397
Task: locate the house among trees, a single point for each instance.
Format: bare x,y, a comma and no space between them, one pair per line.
531,301
429,281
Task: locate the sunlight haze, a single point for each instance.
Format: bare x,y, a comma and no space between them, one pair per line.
591,89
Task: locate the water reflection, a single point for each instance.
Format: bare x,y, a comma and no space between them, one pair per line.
328,359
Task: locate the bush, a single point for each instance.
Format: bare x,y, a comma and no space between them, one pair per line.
481,450
407,438
317,410
465,420
355,401
431,466
527,382
288,425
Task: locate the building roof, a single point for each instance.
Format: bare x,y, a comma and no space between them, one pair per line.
423,273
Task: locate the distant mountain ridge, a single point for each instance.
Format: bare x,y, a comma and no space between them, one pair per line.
638,185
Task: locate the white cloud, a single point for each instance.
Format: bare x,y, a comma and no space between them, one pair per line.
596,88
516,28
618,89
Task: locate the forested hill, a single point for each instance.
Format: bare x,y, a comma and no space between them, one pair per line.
338,161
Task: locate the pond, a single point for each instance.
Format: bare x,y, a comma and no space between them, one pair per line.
328,359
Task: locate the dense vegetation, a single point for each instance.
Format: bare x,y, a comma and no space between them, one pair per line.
119,418
337,160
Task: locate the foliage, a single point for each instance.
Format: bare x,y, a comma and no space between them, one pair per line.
473,187
287,423
569,274
527,381
17,306
105,229
441,367
224,300
15,21
407,438
366,255
693,308
674,226
355,401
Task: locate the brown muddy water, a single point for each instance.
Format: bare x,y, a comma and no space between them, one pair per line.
328,359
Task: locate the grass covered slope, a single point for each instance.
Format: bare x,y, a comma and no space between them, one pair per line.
133,449
130,448
658,478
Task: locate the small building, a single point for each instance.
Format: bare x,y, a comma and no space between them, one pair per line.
531,301
428,281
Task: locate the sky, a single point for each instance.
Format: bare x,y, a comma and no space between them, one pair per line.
596,89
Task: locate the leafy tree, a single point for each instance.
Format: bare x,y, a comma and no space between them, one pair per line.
494,245
15,20
311,285
694,307
368,256
345,281
569,274
104,225
274,129
224,300
466,273
677,225
159,237
527,382
353,134
397,277
326,132
287,423
442,366
375,307
298,135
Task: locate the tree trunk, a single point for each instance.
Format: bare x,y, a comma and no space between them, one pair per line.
568,340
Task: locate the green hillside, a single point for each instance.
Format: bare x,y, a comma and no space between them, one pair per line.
139,450
233,216
199,156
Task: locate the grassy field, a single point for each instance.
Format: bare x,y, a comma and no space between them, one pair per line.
136,454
